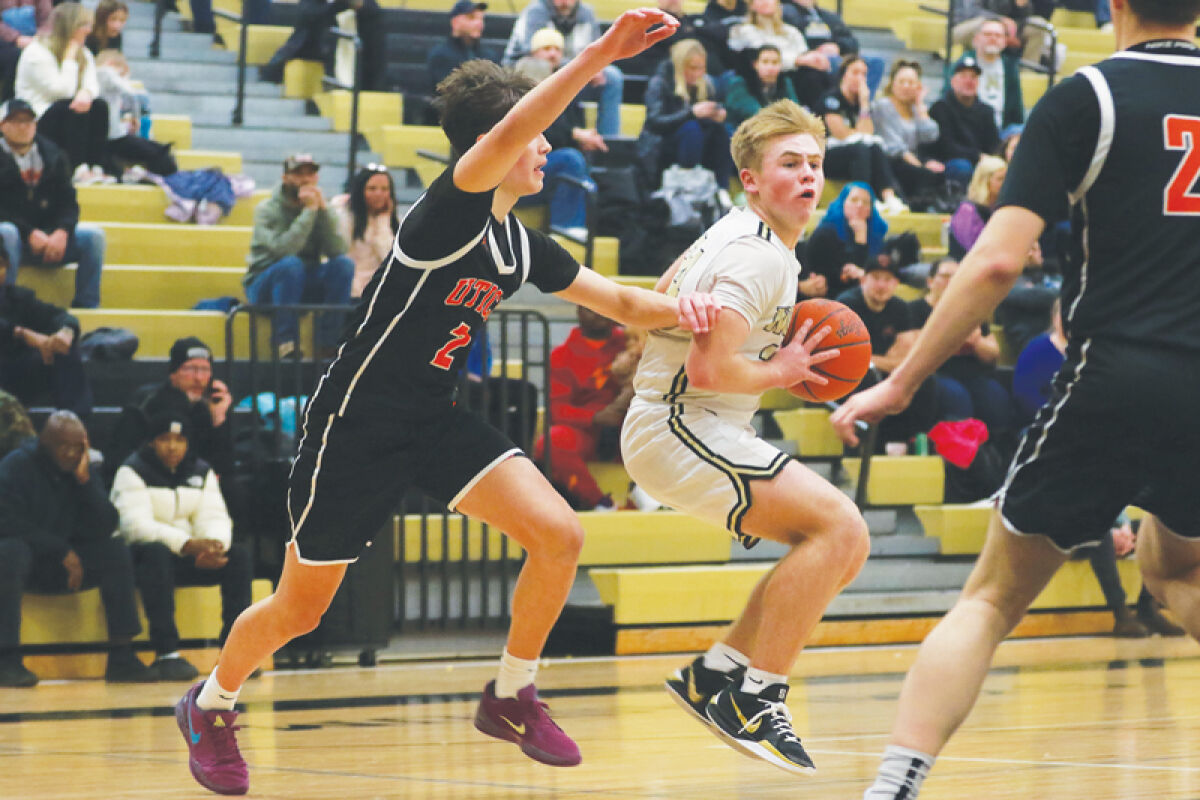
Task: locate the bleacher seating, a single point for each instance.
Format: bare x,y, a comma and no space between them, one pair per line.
668,579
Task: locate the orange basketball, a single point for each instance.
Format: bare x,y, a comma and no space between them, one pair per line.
848,335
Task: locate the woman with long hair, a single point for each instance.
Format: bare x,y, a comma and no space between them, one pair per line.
57,77
763,84
368,221
972,215
111,16
685,122
808,70
853,150
902,119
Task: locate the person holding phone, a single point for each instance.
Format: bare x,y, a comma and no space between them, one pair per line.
189,390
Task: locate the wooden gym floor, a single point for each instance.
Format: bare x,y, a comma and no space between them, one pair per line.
1093,718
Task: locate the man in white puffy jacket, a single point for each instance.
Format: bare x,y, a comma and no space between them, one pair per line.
180,534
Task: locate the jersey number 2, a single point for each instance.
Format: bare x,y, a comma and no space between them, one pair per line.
459,337
1183,133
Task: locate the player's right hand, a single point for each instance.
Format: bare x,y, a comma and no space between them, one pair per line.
872,405
631,33
698,312
794,363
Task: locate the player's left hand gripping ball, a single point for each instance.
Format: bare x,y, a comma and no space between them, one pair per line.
698,312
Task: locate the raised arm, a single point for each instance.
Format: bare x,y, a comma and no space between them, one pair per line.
484,166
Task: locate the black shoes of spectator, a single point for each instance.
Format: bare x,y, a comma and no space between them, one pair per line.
1155,622
125,667
173,669
14,675
1126,625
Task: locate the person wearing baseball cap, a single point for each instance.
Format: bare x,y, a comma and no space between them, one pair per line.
190,392
39,212
967,125
465,42
297,253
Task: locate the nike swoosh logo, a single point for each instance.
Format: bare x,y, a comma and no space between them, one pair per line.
693,695
195,737
746,726
520,729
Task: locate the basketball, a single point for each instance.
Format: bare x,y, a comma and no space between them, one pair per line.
848,335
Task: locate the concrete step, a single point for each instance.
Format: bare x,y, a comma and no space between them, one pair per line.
904,574
266,174
191,86
256,120
271,146
174,43
890,604
214,103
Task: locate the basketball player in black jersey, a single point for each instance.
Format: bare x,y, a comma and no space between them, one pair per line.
1118,146
383,416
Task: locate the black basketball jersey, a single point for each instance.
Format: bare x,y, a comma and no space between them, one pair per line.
451,263
1117,145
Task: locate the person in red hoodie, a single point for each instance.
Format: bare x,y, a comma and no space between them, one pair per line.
590,389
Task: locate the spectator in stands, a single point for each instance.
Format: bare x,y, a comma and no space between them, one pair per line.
892,335
367,220
967,222
174,519
746,95
691,26
111,16
569,138
56,536
39,348
967,385
1010,137
1026,30
577,22
297,255
591,385
853,151
685,121
902,120
39,213
15,426
190,392
128,118
20,21
764,24
463,44
308,39
724,14
1000,75
56,75
967,126
849,235
823,30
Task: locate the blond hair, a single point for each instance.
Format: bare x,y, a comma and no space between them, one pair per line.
110,56
65,19
781,118
771,22
988,166
680,53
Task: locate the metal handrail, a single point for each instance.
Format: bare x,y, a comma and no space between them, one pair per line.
239,107
354,89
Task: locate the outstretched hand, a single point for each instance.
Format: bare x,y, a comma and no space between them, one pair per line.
872,405
631,33
698,312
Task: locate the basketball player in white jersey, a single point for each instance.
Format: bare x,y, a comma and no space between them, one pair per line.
687,439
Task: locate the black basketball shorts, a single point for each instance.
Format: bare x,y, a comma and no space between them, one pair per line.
1121,427
352,471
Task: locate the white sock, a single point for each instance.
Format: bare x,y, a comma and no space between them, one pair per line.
515,674
756,680
214,698
723,658
172,654
901,774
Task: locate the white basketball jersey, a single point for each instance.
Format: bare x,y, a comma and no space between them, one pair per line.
742,262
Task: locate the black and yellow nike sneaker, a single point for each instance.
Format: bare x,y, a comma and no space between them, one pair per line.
759,725
693,686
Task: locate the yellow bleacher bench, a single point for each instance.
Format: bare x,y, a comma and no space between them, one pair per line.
901,480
